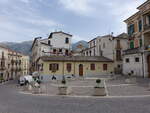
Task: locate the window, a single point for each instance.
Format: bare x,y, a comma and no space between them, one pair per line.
103,45
67,40
86,53
94,42
54,51
118,55
140,25
41,67
140,42
90,53
53,67
131,44
131,29
92,66
94,51
60,50
69,67
67,52
127,60
49,42
118,66
104,67
118,44
137,59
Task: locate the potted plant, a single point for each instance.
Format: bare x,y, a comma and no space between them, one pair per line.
36,87
129,79
63,88
99,89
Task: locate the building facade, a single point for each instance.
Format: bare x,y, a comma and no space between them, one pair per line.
11,63
110,47
57,44
137,57
75,65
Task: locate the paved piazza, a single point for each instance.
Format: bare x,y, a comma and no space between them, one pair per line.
136,101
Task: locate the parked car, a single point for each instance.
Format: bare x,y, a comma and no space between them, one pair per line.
23,80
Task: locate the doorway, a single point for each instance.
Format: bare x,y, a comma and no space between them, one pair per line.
81,70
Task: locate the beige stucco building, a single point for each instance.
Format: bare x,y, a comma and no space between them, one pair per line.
12,63
75,65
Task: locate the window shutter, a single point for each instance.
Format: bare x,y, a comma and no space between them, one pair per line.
131,44
92,66
57,66
68,67
50,66
136,43
104,67
140,42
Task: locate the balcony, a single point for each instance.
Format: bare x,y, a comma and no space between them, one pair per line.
2,68
132,51
147,28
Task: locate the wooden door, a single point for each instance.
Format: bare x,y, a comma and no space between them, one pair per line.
81,70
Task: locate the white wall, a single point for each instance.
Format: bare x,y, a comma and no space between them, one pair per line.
108,49
58,41
132,65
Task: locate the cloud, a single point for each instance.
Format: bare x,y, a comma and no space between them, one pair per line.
25,1
81,7
23,22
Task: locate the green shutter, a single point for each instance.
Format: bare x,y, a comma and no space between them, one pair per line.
140,25
132,44
140,42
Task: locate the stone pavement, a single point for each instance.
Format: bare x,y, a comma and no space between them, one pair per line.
115,87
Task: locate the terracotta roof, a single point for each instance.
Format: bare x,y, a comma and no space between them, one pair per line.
76,58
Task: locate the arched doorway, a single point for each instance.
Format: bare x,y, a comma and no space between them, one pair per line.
81,70
148,63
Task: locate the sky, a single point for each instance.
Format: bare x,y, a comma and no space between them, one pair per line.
23,20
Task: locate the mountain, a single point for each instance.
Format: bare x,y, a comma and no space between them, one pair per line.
23,47
82,42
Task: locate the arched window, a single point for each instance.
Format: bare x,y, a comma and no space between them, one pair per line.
67,40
